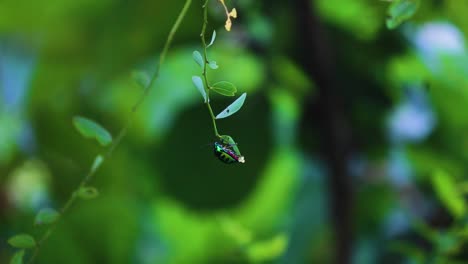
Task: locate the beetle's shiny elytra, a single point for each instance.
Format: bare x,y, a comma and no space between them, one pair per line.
226,155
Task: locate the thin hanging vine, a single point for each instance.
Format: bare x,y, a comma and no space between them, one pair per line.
225,148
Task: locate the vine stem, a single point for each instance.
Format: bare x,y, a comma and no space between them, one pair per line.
123,132
205,63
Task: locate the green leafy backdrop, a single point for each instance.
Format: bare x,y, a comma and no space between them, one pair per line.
398,80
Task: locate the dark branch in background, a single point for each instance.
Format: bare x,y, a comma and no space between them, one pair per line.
317,60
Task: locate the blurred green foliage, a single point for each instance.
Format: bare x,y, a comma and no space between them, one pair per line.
163,196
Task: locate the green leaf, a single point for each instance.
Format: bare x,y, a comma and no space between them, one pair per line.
22,241
46,216
228,140
198,59
141,78
224,88
448,193
198,82
17,257
213,65
91,129
400,11
232,108
87,193
213,37
97,163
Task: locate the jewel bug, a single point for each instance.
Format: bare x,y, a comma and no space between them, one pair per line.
226,154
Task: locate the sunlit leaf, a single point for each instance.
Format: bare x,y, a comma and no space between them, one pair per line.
17,257
198,59
400,11
91,129
46,216
233,108
87,193
268,250
97,163
224,88
448,193
22,241
213,37
198,82
213,65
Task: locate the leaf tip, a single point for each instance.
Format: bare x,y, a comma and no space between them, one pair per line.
233,13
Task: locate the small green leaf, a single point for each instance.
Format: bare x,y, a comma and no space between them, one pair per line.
228,140
400,11
46,216
198,59
198,82
213,37
224,88
22,241
87,193
91,129
232,108
97,163
213,65
448,193
17,257
141,78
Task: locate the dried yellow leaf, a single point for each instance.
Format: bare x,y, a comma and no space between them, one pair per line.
233,13
228,24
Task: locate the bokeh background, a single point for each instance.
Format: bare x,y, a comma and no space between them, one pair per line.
355,135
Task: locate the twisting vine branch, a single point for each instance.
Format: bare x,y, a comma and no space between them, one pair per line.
121,134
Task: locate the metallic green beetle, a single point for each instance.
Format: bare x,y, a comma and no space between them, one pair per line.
226,154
